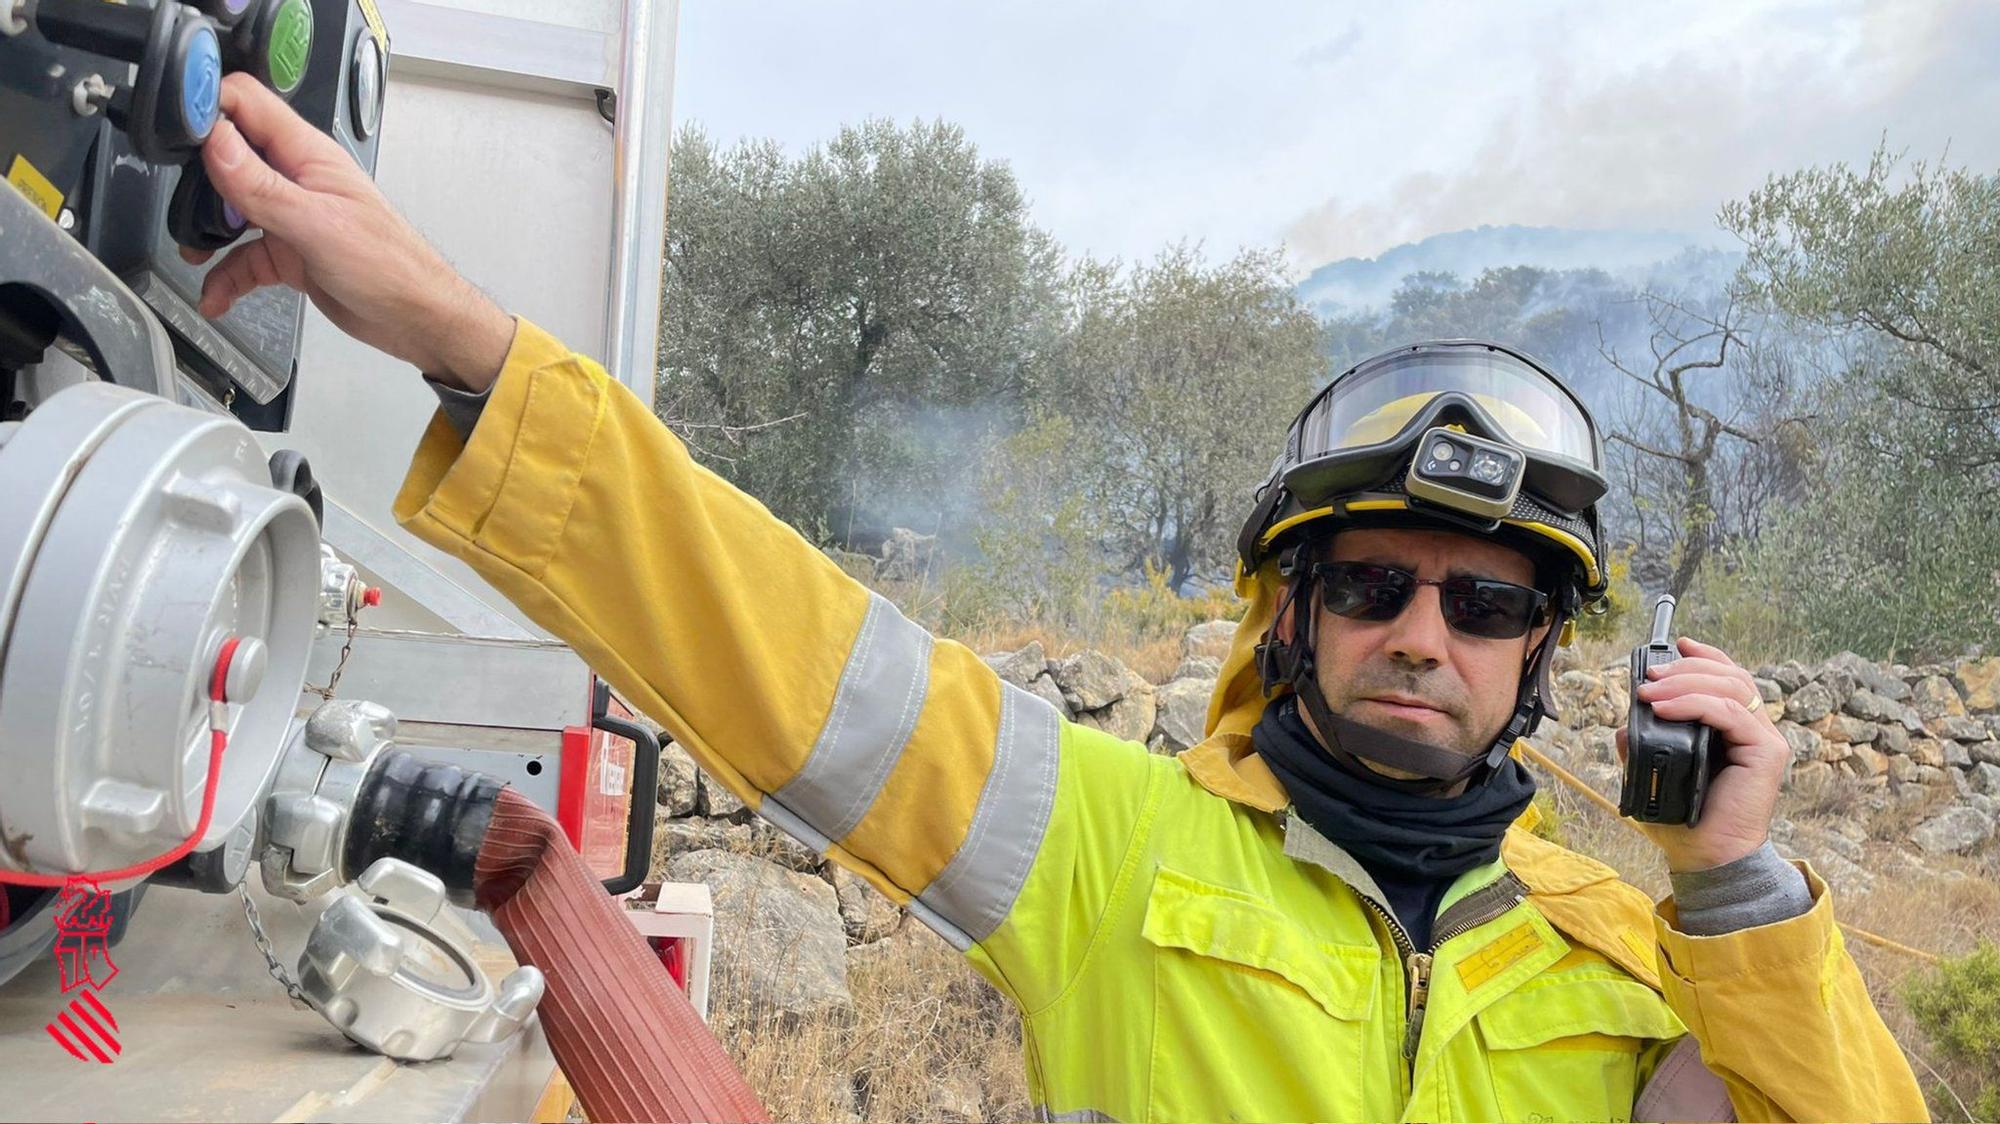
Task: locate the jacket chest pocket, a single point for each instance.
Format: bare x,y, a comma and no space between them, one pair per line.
1254,1016
1569,1049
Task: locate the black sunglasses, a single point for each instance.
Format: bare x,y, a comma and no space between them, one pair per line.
1482,607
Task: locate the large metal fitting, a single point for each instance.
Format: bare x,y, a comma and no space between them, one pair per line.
312,798
388,964
137,537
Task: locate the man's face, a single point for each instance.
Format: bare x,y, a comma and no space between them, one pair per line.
1415,675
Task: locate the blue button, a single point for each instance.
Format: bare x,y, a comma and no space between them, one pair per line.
201,82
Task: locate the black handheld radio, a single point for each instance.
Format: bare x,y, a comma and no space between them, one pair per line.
1667,764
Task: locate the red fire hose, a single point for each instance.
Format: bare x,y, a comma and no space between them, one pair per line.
631,1044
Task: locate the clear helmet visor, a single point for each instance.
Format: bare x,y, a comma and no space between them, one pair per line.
1376,402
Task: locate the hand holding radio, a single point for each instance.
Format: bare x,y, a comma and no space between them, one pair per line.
1703,762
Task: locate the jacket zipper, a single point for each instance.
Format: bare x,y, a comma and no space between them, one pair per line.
1474,910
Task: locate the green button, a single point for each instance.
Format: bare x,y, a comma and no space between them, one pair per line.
290,48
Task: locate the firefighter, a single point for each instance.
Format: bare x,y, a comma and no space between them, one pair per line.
1329,909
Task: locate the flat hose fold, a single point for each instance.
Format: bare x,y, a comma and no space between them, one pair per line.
631,1044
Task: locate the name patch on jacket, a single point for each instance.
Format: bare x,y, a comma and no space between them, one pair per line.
1503,952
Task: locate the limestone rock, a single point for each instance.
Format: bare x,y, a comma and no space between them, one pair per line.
1789,675
1843,728
1806,744
1183,711
1978,682
1021,667
1091,680
1198,667
1871,675
1768,690
1600,744
1935,697
1987,752
1044,687
1955,830
1839,683
756,839
864,912
1985,778
1866,761
1808,774
1903,770
1870,707
787,944
1956,756
1210,639
1927,751
1959,728
1131,716
679,784
1892,739
1586,699
1809,703
717,802
1932,776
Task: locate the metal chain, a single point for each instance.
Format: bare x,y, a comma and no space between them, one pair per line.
346,650
263,939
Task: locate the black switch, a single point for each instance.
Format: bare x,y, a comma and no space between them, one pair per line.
197,216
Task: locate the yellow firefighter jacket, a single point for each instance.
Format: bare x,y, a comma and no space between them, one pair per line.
1178,946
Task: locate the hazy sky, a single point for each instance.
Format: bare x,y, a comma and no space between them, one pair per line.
1345,128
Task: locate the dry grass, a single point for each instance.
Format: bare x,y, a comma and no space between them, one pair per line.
1154,658
929,1040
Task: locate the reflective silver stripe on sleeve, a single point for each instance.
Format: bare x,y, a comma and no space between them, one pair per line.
978,886
1073,1116
875,707
785,820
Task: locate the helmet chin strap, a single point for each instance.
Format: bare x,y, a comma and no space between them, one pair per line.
1351,743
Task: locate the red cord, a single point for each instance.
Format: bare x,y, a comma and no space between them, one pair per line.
218,741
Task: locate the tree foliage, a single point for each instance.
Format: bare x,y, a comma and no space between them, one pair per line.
836,325
1894,549
1179,379
1910,262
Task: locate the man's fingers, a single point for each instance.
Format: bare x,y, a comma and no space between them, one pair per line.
1698,664
266,198
1727,687
285,138
244,270
1690,646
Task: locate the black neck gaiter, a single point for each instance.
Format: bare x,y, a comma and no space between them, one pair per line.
1410,836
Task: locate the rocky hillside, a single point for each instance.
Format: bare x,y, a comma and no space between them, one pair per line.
1895,771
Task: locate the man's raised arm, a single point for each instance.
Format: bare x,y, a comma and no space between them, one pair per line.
813,698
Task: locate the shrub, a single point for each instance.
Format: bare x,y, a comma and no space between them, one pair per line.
1154,609
1957,1005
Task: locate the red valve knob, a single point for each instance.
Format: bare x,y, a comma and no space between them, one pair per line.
371,597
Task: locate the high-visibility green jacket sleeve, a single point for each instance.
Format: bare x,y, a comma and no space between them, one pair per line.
1784,1018
812,698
